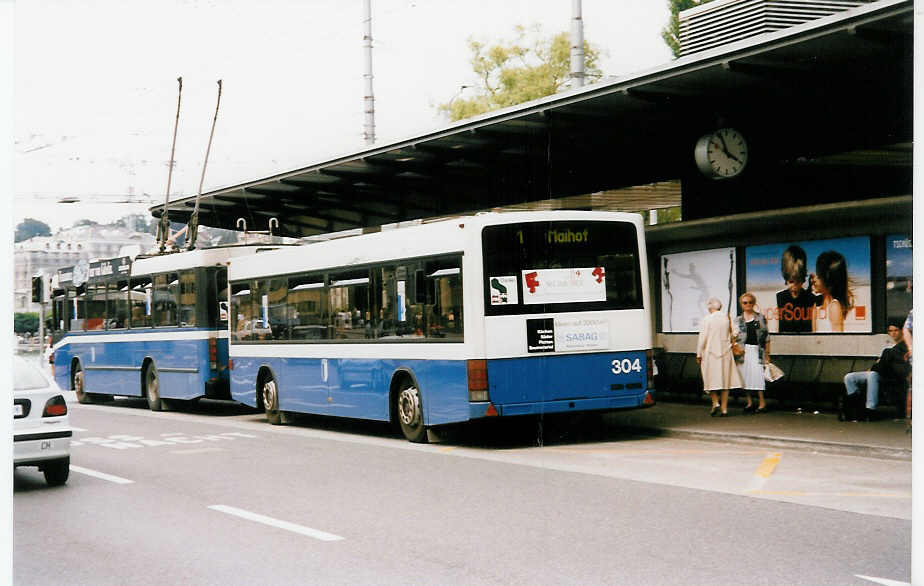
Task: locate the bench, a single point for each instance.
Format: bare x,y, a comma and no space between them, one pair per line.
809,382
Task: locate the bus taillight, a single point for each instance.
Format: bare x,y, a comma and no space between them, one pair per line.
213,353
477,380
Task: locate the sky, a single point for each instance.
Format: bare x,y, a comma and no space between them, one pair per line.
96,91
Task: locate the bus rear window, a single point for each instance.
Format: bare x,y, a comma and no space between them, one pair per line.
545,267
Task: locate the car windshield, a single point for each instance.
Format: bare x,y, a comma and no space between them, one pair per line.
26,376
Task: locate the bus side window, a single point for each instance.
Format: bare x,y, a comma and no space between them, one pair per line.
444,298
187,298
141,300
117,305
306,307
241,311
96,306
165,290
349,304
221,286
77,308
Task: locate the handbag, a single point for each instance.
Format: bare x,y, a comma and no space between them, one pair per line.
772,372
737,350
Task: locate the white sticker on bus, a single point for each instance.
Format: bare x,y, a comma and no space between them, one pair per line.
504,290
581,334
564,285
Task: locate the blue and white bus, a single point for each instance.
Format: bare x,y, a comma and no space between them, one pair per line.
154,327
496,314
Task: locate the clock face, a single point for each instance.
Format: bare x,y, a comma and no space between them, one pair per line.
722,154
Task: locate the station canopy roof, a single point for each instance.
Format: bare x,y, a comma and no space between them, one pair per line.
835,91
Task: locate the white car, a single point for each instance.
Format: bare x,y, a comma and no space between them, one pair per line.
41,430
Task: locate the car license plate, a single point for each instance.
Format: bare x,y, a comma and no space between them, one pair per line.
17,410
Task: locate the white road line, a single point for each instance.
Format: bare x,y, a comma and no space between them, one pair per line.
197,451
276,523
77,428
884,581
100,475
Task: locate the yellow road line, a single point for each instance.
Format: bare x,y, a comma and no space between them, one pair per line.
767,467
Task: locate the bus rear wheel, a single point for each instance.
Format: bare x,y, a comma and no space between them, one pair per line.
270,395
409,409
152,388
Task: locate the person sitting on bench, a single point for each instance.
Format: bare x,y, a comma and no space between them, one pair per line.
891,368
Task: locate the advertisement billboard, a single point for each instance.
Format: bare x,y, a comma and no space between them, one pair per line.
814,286
688,280
898,277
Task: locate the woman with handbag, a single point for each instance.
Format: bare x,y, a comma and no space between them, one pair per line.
714,355
753,326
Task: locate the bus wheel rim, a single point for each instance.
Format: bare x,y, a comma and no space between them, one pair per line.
78,382
409,406
152,383
269,395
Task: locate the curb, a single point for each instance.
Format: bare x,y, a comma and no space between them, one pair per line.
838,448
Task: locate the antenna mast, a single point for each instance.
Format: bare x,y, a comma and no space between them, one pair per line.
163,228
193,224
368,98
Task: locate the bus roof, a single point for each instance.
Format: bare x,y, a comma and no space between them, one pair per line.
205,257
434,238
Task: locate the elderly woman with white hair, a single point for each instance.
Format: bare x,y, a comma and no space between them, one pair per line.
715,358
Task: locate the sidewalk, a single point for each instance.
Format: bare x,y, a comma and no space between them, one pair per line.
885,438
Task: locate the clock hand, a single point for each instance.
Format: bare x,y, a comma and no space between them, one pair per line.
725,149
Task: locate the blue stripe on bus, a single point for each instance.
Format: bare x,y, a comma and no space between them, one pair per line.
114,368
359,388
615,376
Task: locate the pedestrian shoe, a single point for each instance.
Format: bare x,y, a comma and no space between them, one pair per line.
723,414
760,410
870,415
750,409
715,411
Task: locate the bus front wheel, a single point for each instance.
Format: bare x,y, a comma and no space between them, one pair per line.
270,393
152,388
410,413
83,397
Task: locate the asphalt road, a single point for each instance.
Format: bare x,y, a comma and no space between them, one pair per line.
214,495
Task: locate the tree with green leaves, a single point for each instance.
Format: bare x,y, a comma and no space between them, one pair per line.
511,73
30,228
25,322
671,32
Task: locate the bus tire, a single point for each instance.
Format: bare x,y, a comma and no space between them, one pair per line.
57,471
269,391
152,388
409,411
83,397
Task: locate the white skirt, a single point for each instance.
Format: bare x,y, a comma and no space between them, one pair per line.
751,370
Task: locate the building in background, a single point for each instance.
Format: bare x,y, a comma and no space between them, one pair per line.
47,254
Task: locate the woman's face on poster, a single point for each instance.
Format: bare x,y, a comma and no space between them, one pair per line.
795,287
818,285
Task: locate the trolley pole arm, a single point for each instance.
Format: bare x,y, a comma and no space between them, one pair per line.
193,224
163,228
